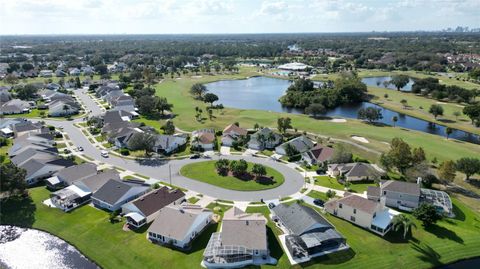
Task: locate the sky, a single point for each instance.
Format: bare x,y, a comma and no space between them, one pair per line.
19,17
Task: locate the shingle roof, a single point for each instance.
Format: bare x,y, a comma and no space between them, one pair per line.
373,191
358,202
322,153
234,128
401,186
241,229
77,172
114,190
299,219
157,199
301,144
95,182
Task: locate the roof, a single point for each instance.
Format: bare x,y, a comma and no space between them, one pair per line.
322,153
241,229
77,172
114,191
373,191
384,218
176,221
301,143
355,169
164,141
299,219
235,129
95,182
401,186
357,202
206,138
157,199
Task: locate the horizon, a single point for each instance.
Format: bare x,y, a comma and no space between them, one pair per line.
164,17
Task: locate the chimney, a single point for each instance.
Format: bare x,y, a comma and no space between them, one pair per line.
383,201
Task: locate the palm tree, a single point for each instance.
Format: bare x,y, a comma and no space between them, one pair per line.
448,131
394,120
403,222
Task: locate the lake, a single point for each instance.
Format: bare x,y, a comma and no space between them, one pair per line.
379,82
30,248
262,93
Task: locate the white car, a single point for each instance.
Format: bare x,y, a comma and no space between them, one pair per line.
104,153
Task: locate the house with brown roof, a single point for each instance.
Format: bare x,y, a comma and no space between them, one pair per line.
368,214
204,139
232,133
146,208
353,171
241,241
318,154
398,194
179,225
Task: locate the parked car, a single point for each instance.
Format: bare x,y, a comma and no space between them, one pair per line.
195,156
271,205
104,153
66,151
318,202
79,148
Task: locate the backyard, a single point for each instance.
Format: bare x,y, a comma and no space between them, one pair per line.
333,183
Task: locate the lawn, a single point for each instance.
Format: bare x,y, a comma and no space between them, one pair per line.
177,93
333,183
193,200
206,172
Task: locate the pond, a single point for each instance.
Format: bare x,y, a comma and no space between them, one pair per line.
380,82
30,248
262,93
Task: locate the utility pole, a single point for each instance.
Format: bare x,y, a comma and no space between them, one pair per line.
170,174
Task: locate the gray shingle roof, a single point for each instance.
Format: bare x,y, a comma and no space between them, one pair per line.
401,186
299,219
157,199
246,230
77,172
114,190
95,182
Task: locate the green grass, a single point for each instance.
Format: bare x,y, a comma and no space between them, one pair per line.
332,183
206,172
142,176
193,200
176,91
318,195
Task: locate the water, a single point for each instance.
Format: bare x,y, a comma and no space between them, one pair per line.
465,264
29,248
262,93
379,82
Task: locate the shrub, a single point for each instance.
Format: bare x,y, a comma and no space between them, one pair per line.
124,152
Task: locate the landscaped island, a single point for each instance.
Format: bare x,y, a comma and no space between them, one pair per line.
207,172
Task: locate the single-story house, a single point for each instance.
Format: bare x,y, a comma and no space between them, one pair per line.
145,208
94,182
46,139
38,169
62,107
168,143
353,171
67,176
70,198
204,139
231,133
264,139
15,106
318,154
241,241
24,127
308,234
179,225
368,214
301,144
113,194
45,73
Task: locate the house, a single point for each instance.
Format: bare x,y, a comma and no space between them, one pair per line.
114,193
24,127
145,208
70,198
353,171
301,144
241,241
62,107
232,133
45,73
60,73
368,214
6,126
122,136
204,139
69,175
168,143
264,139
123,102
27,150
38,169
397,194
15,106
318,154
45,139
75,72
52,95
307,233
179,225
94,182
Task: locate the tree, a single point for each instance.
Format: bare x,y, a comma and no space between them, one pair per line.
404,223
142,141
210,98
11,79
146,105
259,170
468,166
27,92
341,155
168,128
399,81
457,114
149,75
66,108
331,194
283,124
78,85
370,114
290,150
239,167
256,126
12,180
101,69
222,166
418,155
394,120
161,104
400,155
198,90
427,214
436,110
448,131
404,103
446,171
473,112
315,109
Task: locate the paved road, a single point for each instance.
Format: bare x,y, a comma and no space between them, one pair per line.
159,169
88,102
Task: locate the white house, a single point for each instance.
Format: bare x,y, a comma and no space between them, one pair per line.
231,133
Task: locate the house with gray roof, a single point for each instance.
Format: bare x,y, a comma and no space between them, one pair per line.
241,241
38,169
114,193
179,225
24,127
145,208
354,171
264,138
301,144
94,182
22,146
14,106
67,176
308,234
398,194
46,139
63,107
167,144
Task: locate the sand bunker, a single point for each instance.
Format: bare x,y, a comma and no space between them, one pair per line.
197,76
360,139
338,120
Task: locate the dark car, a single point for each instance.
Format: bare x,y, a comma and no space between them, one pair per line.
195,156
318,202
67,151
271,205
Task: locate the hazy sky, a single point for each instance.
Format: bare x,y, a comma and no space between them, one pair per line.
232,16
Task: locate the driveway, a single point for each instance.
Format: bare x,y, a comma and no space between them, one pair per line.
159,169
